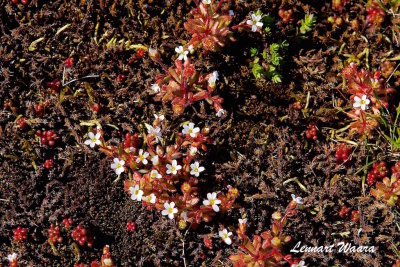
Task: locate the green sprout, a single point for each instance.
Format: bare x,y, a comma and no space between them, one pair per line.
307,23
272,61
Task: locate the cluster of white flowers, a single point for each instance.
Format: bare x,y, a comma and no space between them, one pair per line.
255,22
362,102
206,2
137,194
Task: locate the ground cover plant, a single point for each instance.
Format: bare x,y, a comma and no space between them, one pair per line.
199,133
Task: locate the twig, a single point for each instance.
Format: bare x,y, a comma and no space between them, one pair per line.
81,78
393,72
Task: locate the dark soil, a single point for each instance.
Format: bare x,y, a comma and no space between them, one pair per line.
260,144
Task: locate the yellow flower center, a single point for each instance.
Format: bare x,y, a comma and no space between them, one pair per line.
190,131
225,236
254,22
119,165
363,102
172,168
94,139
141,157
196,169
212,202
170,210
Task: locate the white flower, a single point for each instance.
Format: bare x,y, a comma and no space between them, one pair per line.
93,139
374,82
213,79
212,201
298,200
174,168
12,257
190,48
155,87
243,221
159,117
220,113
206,2
193,151
136,193
300,264
154,174
255,22
169,209
156,131
118,166
142,157
225,235
362,102
184,216
196,169
107,262
231,13
216,75
182,53
150,198
190,129
152,52
154,160
276,215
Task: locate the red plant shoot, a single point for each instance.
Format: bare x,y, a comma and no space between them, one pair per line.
20,234
265,249
182,86
209,25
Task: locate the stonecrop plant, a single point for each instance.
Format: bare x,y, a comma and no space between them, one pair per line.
183,85
165,177
266,249
369,94
209,25
388,189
